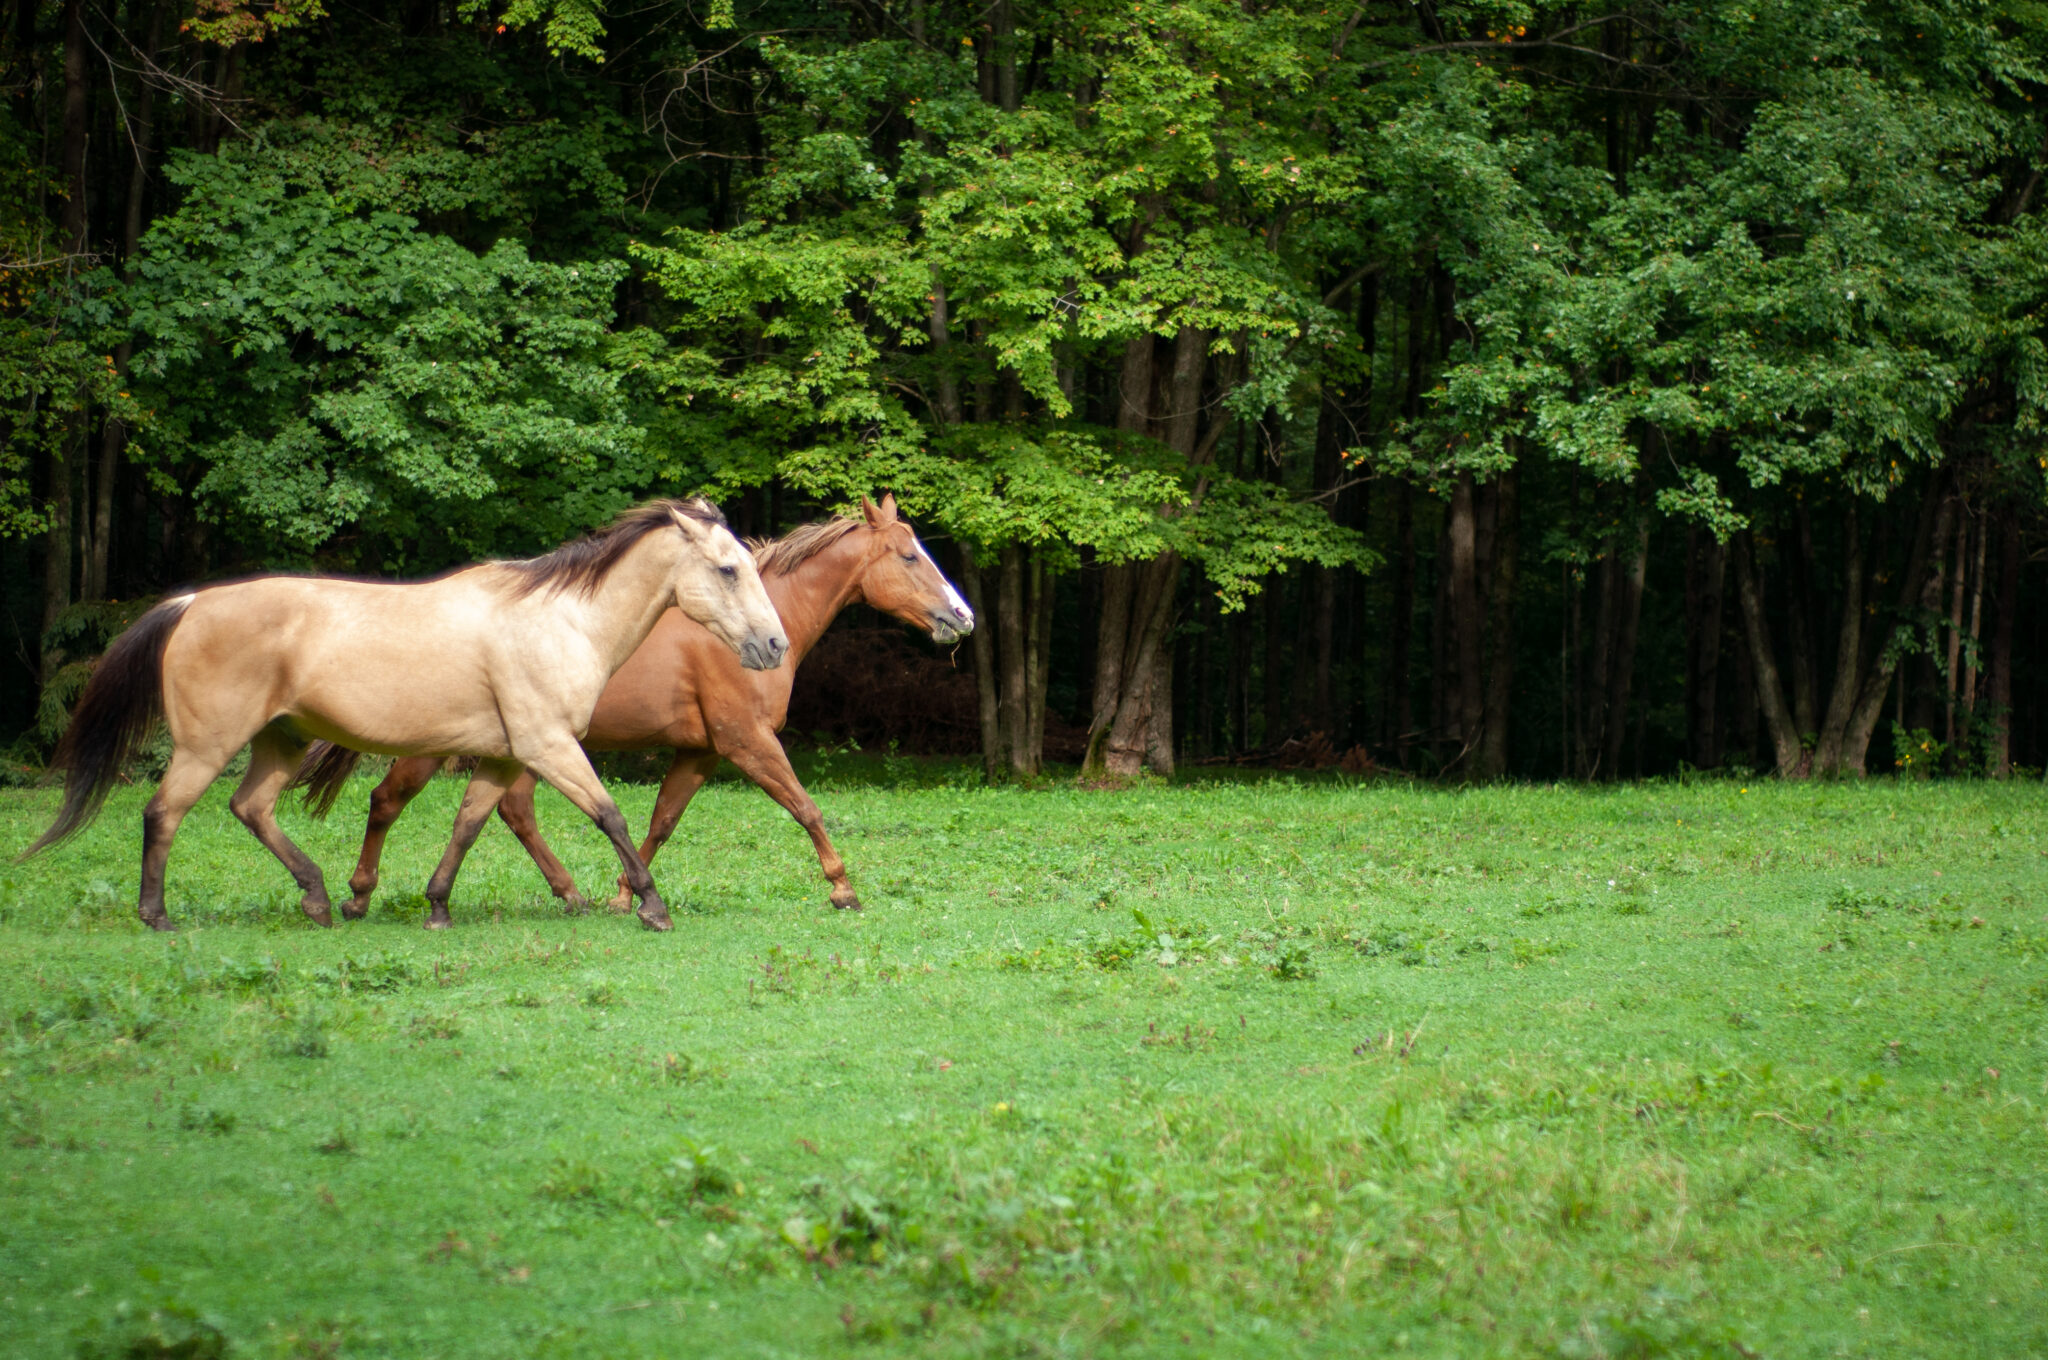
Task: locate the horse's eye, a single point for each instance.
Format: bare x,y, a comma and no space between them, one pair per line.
728,571
910,558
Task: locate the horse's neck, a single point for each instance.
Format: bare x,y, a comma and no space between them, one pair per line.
623,609
811,594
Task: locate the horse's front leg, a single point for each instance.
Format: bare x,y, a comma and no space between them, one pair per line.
564,765
763,760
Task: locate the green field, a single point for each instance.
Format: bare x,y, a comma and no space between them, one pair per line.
1245,1069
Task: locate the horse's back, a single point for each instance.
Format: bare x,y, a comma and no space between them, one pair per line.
379,666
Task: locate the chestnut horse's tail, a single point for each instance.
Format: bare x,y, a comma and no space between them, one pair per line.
124,696
322,773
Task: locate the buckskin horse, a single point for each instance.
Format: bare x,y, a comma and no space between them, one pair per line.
681,690
519,653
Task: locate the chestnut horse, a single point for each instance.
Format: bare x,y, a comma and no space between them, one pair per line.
520,652
682,691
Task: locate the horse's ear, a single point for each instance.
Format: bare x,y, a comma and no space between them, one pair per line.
889,506
878,516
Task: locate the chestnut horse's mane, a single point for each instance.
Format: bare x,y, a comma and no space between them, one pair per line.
798,546
582,564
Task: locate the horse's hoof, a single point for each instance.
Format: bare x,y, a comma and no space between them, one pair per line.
654,920
437,919
355,909
160,923
574,903
849,903
319,913
620,905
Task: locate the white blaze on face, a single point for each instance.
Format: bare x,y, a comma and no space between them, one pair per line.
952,595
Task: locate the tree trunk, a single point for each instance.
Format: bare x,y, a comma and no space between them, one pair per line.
1111,632
1959,581
1827,751
1770,691
1921,584
984,668
1395,706
1237,697
1594,667
1272,693
113,434
1800,616
1012,719
1465,621
1500,669
1973,657
77,114
1743,709
1706,574
1038,647
1132,737
2005,616
1159,729
1628,622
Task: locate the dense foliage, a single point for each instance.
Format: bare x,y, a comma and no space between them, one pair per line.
1482,388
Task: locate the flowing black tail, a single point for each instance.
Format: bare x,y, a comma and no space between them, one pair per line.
124,696
322,773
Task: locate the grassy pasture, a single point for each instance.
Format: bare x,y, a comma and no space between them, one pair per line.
1249,1069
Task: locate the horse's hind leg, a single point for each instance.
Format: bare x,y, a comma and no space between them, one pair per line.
398,787
516,808
273,759
486,787
568,769
686,774
184,783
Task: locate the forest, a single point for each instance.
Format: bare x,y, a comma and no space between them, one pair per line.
1510,390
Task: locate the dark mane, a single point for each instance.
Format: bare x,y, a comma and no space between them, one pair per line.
582,564
784,555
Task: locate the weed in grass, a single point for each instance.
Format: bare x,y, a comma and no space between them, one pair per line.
432,1025
307,1039
196,1118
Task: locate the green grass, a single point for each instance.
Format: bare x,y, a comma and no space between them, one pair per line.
1249,1070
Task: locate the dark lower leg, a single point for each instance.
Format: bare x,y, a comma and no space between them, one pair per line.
653,911
387,801
183,784
159,826
516,811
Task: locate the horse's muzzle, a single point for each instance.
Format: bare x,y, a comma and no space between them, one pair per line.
763,654
952,625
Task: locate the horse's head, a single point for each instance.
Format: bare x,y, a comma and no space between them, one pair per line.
902,579
717,584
